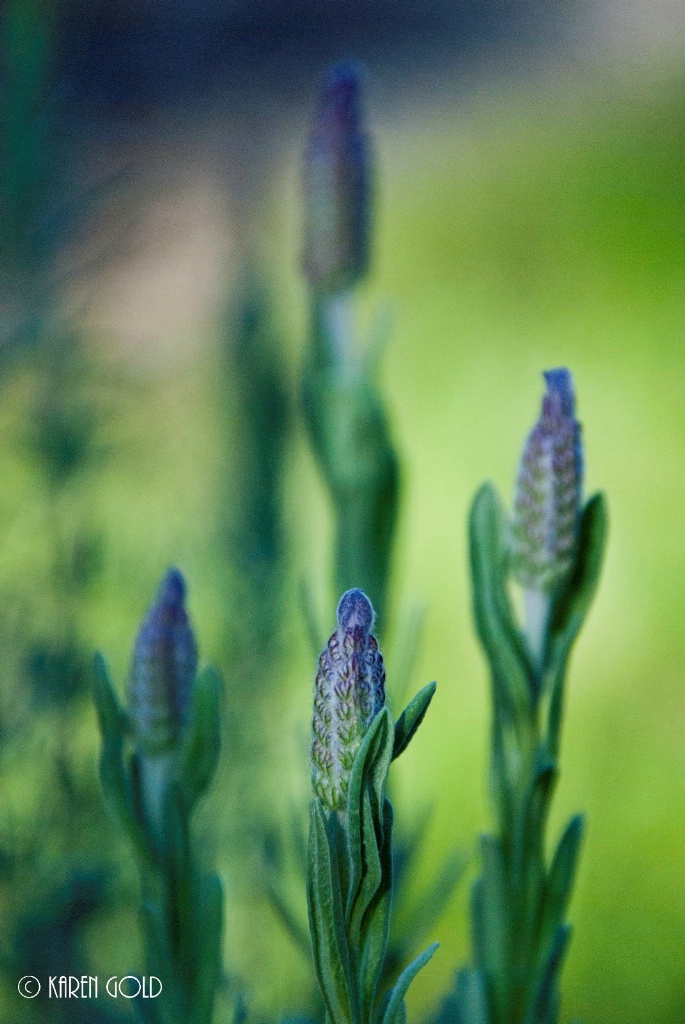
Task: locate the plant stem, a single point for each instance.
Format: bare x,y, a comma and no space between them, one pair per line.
537,604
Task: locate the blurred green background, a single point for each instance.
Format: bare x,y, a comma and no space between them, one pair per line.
529,215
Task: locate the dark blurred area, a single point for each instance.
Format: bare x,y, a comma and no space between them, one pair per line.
126,58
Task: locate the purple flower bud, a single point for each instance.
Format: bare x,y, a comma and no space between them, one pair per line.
337,186
349,693
163,669
544,529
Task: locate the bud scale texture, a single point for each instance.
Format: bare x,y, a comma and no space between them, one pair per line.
163,668
546,514
349,693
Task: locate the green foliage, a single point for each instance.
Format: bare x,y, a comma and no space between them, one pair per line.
350,437
519,903
258,423
182,906
350,884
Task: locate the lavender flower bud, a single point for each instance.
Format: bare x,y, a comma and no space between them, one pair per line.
349,693
162,669
337,186
548,491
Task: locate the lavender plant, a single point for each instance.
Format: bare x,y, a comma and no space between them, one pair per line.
158,757
552,547
349,870
344,413
349,432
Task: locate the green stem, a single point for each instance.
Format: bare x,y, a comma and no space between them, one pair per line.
537,605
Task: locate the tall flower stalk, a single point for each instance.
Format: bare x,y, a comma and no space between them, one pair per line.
552,547
158,757
349,870
350,437
344,413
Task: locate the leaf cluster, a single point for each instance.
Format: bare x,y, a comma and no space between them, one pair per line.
519,902
350,881
182,908
350,437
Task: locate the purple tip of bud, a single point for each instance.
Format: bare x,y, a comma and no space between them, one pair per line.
337,185
348,694
340,108
172,590
163,667
548,490
355,612
560,399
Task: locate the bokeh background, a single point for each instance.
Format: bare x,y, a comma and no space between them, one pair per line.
530,213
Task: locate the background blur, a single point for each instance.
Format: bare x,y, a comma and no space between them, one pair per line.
530,213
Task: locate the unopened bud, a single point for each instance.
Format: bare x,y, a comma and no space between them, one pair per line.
337,186
163,669
349,693
548,491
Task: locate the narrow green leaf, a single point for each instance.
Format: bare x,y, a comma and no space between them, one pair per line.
110,715
378,764
207,954
495,921
546,987
513,680
529,860
530,844
561,877
176,838
574,601
199,753
377,922
159,954
327,925
477,918
115,781
471,999
395,1007
411,719
371,871
500,784
571,607
370,769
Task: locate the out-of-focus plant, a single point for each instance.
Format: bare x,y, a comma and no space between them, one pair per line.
256,419
552,547
252,509
157,760
346,421
349,866
39,208
350,436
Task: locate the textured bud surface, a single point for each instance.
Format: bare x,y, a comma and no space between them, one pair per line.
349,693
548,491
337,178
163,668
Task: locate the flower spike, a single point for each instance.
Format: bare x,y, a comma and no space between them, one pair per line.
163,669
349,693
547,504
337,186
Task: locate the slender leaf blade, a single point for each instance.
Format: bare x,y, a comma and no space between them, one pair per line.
395,1007
411,719
327,924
